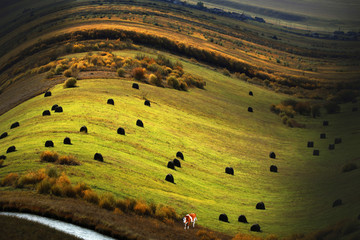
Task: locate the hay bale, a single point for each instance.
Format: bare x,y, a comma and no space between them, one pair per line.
316,152
58,109
47,94
242,219
325,123
337,202
180,155
147,103
169,178
139,123
98,157
354,109
273,168
121,131
322,136
260,205
4,135
67,141
251,93
229,170
2,157
15,125
135,86
46,113
272,155
110,101
49,143
331,146
223,217
171,165
338,140
310,144
11,149
54,107
255,228
177,163
250,109
84,129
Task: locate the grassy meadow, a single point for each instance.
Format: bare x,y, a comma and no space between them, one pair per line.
214,130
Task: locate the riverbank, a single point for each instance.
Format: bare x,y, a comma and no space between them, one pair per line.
81,213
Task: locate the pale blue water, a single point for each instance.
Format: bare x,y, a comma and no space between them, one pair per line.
69,228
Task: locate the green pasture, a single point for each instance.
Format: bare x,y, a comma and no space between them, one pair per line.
214,130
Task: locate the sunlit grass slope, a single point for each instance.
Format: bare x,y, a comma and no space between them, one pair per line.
214,130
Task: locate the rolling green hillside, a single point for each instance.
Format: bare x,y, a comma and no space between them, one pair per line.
214,130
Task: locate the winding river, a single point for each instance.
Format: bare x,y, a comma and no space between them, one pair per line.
69,228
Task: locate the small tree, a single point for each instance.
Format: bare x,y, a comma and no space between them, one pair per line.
70,83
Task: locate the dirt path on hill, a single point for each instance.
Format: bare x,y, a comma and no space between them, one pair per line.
79,212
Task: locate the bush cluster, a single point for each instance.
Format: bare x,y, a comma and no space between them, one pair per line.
70,82
53,157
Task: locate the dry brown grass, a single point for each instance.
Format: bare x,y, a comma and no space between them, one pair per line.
10,179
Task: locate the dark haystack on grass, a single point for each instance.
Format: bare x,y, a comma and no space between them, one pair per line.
316,152
331,146
272,155
229,170
260,205
169,178
110,101
255,228
98,157
2,157
139,123
250,109
349,167
49,143
15,125
171,165
135,85
354,109
338,140
54,107
46,113
11,149
223,217
4,135
322,135
310,144
147,103
121,131
47,94
337,202
84,129
59,109
325,123
67,141
177,163
359,217
180,155
251,93
273,168
242,219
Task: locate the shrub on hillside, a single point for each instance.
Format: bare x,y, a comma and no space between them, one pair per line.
68,160
10,179
90,196
107,201
173,82
67,73
163,212
52,172
315,110
70,83
1,163
242,236
31,178
138,73
80,189
121,72
141,208
59,69
44,187
155,80
205,235
349,167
